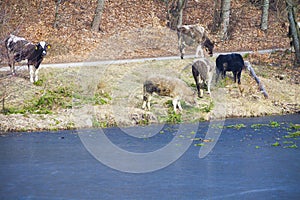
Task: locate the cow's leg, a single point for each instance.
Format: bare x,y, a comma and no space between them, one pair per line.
148,102
210,76
145,100
11,63
31,72
36,72
223,74
239,76
174,102
234,76
12,68
181,44
201,92
199,48
196,78
218,73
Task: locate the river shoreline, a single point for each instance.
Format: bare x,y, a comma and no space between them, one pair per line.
104,96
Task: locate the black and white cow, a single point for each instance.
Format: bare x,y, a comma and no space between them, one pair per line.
203,70
230,62
19,49
188,34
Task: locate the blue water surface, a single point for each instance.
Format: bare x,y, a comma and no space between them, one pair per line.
253,159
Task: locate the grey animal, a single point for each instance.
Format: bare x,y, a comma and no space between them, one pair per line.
168,86
203,71
188,34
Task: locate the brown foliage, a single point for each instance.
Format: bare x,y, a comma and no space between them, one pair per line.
73,40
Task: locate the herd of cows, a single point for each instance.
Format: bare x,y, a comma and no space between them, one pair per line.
203,69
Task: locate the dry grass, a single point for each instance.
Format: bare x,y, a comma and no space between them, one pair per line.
111,95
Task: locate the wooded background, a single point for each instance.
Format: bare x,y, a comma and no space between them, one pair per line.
74,27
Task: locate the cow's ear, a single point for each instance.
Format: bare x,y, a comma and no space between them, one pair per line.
48,46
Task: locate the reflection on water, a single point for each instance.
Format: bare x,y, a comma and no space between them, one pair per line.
253,159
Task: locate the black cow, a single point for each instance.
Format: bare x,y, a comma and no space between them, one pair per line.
19,49
231,62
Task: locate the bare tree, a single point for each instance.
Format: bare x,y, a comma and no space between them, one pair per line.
264,15
217,15
57,4
98,14
225,19
294,30
175,13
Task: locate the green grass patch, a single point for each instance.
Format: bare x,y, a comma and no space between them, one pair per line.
44,103
293,135
294,126
294,146
276,144
272,124
199,144
236,126
173,117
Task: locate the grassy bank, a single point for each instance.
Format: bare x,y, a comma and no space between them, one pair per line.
111,95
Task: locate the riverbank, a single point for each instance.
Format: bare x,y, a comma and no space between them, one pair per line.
111,95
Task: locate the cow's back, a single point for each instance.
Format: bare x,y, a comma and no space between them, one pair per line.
200,68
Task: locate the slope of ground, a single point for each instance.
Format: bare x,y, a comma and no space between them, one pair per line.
132,28
104,95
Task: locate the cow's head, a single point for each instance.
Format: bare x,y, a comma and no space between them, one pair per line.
42,47
209,46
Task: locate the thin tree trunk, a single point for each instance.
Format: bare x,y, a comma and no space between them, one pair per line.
182,4
294,29
176,12
98,14
217,16
259,83
225,19
265,15
58,2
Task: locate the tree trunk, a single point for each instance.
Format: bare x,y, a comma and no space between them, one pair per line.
98,14
225,18
58,2
259,83
176,13
217,15
294,29
182,4
264,15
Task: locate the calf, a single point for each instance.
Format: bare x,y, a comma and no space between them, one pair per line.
203,70
231,62
188,34
167,86
19,49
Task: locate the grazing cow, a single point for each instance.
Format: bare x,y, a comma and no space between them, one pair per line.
19,49
203,70
168,86
231,62
188,34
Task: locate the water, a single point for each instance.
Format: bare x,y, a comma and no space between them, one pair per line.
242,165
